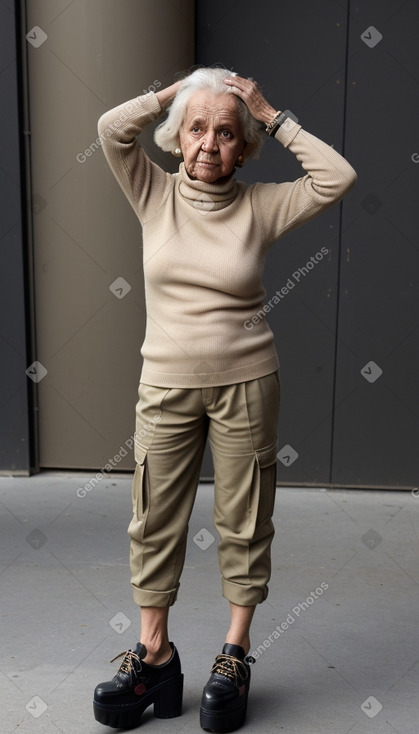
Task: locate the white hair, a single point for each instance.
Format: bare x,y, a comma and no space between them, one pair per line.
166,135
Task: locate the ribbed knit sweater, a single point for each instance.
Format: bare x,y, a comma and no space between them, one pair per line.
204,249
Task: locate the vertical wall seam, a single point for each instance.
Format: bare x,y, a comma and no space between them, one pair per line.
27,225
339,266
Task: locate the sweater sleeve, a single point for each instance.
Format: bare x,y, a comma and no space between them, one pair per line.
283,207
144,183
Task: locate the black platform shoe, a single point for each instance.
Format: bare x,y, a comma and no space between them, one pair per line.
122,701
224,700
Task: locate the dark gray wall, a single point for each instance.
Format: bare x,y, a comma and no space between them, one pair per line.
376,424
360,304
15,455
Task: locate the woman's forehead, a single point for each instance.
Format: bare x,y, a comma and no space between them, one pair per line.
205,103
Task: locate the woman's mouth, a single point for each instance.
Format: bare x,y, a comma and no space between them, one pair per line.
207,163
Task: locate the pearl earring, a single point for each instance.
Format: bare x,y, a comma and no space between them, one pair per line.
240,161
177,152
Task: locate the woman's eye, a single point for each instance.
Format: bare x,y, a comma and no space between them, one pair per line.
226,134
195,129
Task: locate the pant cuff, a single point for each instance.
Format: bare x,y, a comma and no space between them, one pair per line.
245,596
150,598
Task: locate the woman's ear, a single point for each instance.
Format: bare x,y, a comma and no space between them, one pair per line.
241,159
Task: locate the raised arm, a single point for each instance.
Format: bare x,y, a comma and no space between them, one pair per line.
143,182
285,206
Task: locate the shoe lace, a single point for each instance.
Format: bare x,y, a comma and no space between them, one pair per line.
127,665
230,666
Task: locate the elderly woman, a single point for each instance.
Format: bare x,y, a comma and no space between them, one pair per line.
205,239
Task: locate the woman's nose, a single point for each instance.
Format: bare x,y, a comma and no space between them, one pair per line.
210,142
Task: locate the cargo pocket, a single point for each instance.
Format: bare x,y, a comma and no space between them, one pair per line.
266,459
140,496
267,456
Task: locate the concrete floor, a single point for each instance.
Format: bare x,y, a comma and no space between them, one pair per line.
343,603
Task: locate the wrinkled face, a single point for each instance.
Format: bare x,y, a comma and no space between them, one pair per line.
211,136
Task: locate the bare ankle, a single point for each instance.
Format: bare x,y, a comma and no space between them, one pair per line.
158,658
242,642
157,654
155,635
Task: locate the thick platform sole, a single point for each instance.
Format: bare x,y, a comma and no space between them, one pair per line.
166,697
223,721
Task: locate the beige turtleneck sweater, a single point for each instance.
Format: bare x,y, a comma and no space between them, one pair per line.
204,249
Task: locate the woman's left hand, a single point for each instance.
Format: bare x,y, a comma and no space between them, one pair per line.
248,90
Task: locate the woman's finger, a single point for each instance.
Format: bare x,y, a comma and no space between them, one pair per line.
241,86
251,94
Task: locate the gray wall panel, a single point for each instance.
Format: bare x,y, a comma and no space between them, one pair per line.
86,235
376,431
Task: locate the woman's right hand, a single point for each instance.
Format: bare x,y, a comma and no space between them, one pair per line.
167,95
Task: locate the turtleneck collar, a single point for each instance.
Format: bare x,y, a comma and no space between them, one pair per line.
206,196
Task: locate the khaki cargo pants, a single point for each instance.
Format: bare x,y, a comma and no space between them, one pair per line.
172,425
